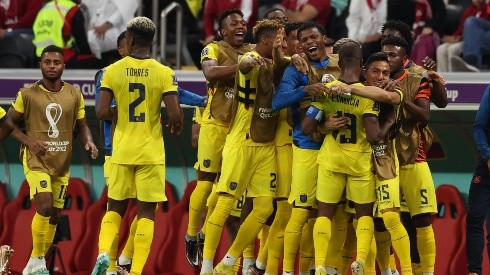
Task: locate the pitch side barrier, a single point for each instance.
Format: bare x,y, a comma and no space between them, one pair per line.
464,90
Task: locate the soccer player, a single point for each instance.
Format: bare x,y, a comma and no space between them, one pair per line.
249,159
7,126
296,90
345,160
51,110
138,84
415,177
219,64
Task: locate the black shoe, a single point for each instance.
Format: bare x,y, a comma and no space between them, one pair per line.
200,247
254,270
191,252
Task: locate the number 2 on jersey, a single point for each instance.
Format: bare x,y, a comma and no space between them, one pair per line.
133,87
351,126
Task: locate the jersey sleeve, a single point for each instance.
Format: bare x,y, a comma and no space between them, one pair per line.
169,83
18,103
371,107
424,90
105,79
210,52
81,107
3,115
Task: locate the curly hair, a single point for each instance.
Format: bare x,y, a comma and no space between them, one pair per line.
142,27
265,26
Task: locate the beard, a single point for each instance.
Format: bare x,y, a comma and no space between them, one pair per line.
51,78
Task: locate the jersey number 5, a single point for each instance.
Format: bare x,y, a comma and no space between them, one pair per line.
133,87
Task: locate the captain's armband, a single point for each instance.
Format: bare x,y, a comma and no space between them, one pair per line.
315,113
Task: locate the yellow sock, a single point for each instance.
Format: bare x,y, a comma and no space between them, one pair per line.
399,240
113,254
276,236
128,249
393,261
214,226
426,245
142,243
264,245
109,229
321,236
292,237
383,246
237,265
349,249
39,230
212,201
249,252
250,228
49,237
307,249
370,266
197,204
339,230
364,233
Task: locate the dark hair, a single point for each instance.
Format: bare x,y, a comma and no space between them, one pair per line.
342,41
404,30
120,38
52,49
142,28
291,26
265,26
350,54
379,56
227,13
266,15
309,25
397,41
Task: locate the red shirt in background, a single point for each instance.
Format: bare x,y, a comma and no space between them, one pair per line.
214,8
19,14
482,11
322,6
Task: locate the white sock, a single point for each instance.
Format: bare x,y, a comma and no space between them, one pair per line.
207,266
123,260
395,272
38,263
428,273
331,270
287,273
386,271
260,265
111,273
229,260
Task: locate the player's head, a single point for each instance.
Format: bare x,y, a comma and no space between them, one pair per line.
398,29
292,42
52,63
376,69
140,32
277,14
121,44
350,56
396,50
312,38
265,32
340,42
232,27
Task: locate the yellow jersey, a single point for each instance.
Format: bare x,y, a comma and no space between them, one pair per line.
197,117
347,150
239,134
138,86
3,115
284,131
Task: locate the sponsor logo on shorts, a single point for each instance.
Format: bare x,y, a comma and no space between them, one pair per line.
43,184
303,198
206,163
233,185
476,179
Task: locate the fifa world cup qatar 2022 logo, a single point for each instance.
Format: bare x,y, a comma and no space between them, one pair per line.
53,114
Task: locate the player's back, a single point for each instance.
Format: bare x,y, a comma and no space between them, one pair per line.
138,86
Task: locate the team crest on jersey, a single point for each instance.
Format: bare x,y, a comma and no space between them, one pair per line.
206,163
476,179
233,185
43,184
175,82
376,106
205,51
303,198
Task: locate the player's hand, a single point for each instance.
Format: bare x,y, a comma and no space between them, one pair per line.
334,122
340,89
387,85
299,63
92,149
316,90
435,76
175,127
429,64
256,61
100,31
279,41
37,147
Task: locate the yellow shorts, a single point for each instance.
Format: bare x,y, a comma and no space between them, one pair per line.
42,182
387,195
144,182
331,185
418,188
304,177
236,211
284,156
251,168
107,167
211,142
